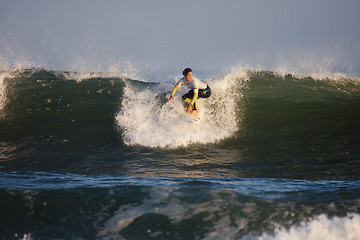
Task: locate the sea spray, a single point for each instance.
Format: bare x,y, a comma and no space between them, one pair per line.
2,91
148,120
3,88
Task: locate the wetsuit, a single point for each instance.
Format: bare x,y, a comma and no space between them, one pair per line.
198,89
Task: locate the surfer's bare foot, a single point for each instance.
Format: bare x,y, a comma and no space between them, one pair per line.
194,112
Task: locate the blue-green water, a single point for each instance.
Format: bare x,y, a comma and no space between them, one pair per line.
98,156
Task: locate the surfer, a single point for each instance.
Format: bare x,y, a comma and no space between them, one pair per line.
198,89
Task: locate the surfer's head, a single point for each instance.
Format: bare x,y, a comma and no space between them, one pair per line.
188,74
186,71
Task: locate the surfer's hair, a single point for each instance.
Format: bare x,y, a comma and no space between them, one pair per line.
186,71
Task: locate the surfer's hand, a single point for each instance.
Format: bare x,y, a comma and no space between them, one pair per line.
171,98
188,110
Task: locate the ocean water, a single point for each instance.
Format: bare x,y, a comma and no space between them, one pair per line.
103,156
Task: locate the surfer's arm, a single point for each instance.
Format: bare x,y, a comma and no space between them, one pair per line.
173,93
177,86
174,90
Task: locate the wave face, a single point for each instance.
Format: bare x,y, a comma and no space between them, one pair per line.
252,116
98,155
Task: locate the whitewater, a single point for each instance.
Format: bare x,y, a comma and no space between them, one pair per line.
151,122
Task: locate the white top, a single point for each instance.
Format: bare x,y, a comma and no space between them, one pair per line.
195,84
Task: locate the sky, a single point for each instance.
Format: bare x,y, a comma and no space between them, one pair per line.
166,35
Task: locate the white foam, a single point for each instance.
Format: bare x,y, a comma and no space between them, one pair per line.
3,76
322,227
2,92
148,122
26,236
302,63
124,69
80,76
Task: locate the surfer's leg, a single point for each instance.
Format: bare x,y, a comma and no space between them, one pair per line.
187,100
188,97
